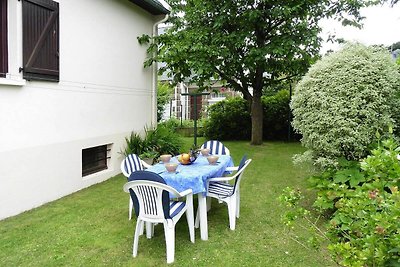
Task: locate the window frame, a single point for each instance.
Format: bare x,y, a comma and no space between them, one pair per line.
95,159
3,39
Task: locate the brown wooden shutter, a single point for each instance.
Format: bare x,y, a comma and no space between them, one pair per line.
40,22
3,39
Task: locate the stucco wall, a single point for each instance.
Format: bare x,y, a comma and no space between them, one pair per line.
104,93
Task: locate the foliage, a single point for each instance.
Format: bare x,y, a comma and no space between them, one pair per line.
171,123
394,46
161,140
228,120
364,203
174,123
292,199
366,229
276,115
343,100
134,145
247,44
164,93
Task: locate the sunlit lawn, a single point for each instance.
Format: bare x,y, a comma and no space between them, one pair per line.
91,227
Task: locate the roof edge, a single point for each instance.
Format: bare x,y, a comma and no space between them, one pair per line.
154,7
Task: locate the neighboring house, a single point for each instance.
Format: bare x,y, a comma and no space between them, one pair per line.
182,106
72,87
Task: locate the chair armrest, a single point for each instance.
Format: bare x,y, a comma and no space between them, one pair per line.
186,192
231,169
145,165
221,179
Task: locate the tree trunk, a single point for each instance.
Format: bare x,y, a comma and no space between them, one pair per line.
256,120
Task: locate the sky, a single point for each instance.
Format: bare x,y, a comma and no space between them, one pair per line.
381,26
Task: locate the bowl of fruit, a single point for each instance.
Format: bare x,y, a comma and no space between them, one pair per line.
187,158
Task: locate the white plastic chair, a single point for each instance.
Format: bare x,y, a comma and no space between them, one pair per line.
152,205
130,164
221,189
216,147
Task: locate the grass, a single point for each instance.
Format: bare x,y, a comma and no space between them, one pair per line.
91,227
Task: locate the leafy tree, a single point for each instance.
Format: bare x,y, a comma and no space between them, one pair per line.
249,44
163,97
343,100
394,46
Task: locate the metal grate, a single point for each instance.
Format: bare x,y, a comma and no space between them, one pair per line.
94,159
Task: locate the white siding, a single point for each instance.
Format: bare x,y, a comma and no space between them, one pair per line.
104,93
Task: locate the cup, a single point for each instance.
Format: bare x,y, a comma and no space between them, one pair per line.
205,151
171,167
165,158
212,159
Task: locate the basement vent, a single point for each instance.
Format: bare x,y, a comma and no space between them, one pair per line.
95,159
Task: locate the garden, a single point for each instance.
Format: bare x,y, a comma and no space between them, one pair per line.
331,199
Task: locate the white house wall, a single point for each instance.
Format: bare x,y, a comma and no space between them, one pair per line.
104,93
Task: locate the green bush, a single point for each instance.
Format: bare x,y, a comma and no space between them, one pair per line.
171,123
363,201
343,100
276,115
228,120
164,94
365,225
174,123
161,140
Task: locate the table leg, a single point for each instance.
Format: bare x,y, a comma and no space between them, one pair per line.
203,216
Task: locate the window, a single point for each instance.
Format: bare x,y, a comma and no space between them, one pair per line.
3,39
40,33
95,159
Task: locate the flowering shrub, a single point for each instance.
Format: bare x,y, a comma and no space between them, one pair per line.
343,100
363,200
365,230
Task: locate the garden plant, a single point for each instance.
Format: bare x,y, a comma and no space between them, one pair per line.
343,100
155,142
362,202
230,119
341,106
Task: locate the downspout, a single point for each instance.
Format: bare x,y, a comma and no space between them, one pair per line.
155,77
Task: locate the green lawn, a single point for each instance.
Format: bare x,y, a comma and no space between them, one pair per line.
91,227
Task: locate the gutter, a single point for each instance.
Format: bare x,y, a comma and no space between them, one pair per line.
155,77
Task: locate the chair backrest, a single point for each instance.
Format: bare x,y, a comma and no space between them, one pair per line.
130,164
244,162
150,195
216,147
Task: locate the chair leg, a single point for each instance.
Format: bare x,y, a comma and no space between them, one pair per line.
208,203
190,219
139,226
237,203
141,229
197,220
169,231
232,213
130,208
149,230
